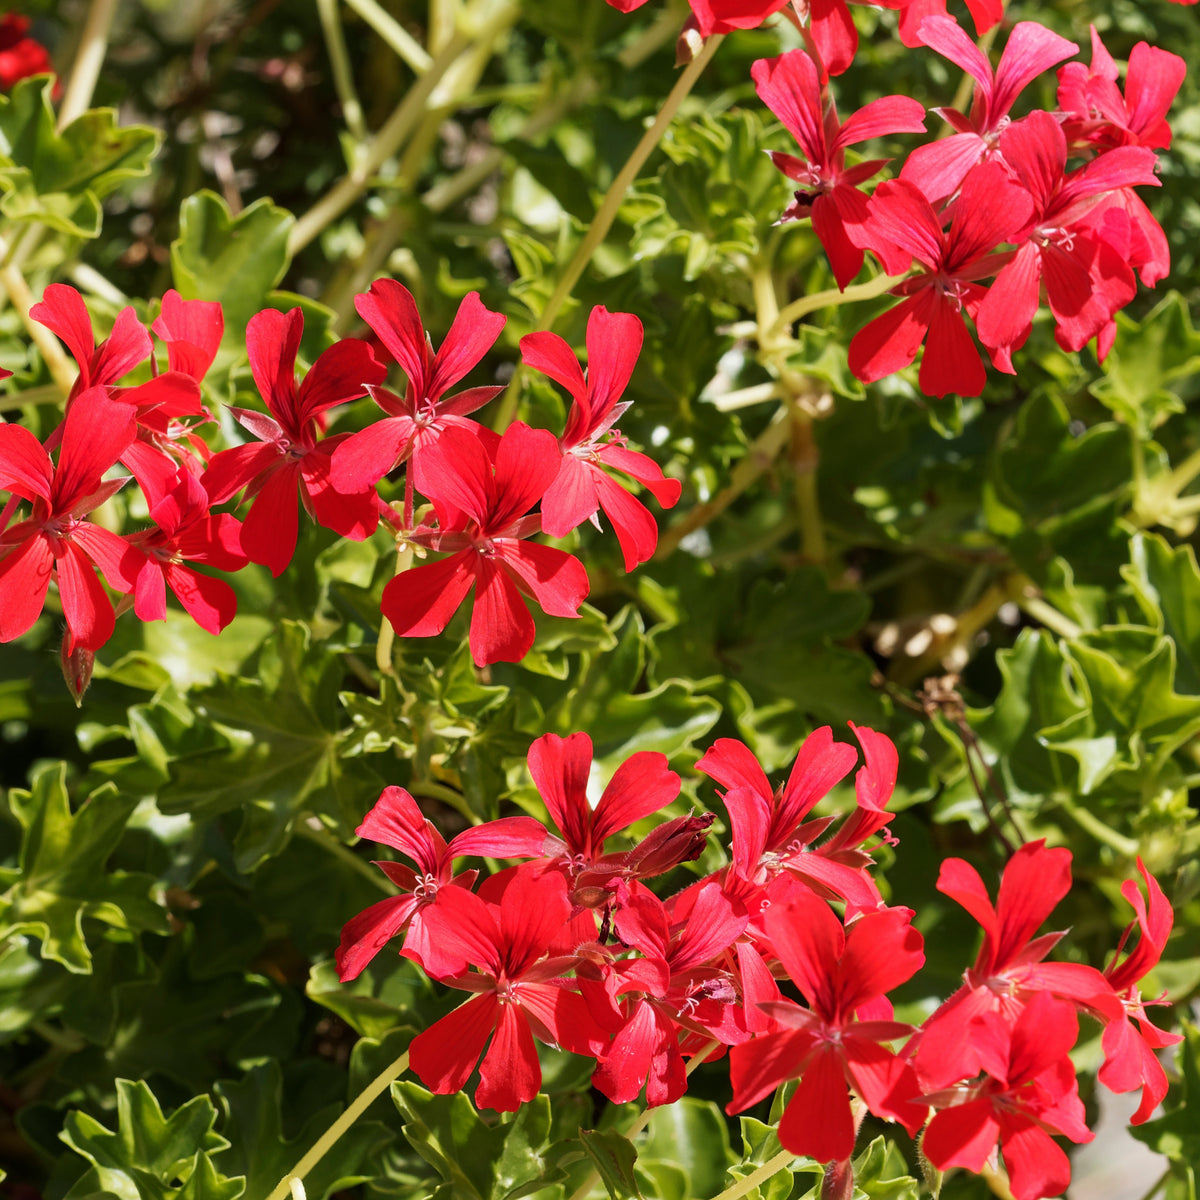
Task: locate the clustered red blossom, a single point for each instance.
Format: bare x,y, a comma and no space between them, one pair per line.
571,948
1040,205
483,489
20,55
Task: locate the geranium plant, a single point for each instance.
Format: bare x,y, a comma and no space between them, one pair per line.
729,561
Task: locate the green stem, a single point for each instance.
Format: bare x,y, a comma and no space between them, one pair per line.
361,1103
323,838
607,212
62,369
395,132
89,57
1157,1185
392,32
48,393
1106,834
768,1170
643,1119
1047,614
387,635
791,313
1187,470
343,76
762,453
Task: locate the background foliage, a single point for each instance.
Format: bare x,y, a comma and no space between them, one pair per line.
177,858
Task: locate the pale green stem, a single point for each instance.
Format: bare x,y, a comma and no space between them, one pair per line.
744,397
387,635
392,32
361,1103
343,76
609,206
442,14
753,463
607,213
62,369
464,181
90,280
1187,470
89,57
327,841
1048,615
768,1170
996,1182
1106,834
791,313
46,394
967,83
395,132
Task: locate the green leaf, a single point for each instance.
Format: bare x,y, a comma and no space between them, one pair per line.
62,877
257,1149
446,1131
235,260
60,179
881,1172
1166,584
151,1157
1146,357
280,753
692,1134
614,1156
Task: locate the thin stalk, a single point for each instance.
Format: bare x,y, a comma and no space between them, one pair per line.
1087,820
38,395
609,206
397,37
343,76
1157,1185
355,1110
90,280
89,58
385,645
62,369
791,313
326,840
1047,614
395,132
465,180
997,1183
762,453
607,212
1187,470
767,1171
804,456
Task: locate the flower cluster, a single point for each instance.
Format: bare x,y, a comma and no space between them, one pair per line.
784,958
483,488
20,55
1040,204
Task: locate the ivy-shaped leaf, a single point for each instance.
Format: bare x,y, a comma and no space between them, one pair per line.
61,876
149,1156
59,179
236,260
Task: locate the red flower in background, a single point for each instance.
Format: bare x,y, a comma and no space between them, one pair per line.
719,16
415,420
1029,1091
938,168
989,211
20,55
843,973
